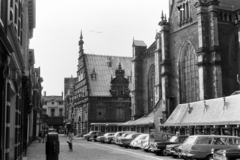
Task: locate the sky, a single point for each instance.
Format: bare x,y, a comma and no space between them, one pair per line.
108,28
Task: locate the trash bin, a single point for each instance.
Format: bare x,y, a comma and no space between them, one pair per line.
52,146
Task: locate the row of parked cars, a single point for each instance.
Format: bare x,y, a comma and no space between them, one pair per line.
208,147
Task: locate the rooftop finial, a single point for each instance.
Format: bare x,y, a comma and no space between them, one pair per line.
80,43
81,35
162,17
119,65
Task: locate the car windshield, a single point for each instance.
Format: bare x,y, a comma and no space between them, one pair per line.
106,134
141,137
117,134
173,139
147,138
125,134
110,134
190,140
129,136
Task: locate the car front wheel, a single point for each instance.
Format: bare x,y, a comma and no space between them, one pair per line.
209,157
164,152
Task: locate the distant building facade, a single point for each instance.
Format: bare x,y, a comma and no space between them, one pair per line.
102,90
69,84
53,107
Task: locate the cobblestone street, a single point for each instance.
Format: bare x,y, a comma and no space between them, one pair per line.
84,150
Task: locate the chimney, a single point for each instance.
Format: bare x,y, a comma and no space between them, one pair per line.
45,93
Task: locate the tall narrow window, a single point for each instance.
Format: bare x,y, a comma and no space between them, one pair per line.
151,83
60,112
119,113
101,113
189,91
184,12
52,112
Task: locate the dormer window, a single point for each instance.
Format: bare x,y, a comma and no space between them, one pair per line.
109,62
93,75
184,12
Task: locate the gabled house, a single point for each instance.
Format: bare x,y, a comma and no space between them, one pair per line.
102,90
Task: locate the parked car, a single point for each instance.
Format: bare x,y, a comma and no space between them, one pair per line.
111,139
125,141
91,134
136,143
102,138
94,137
124,134
160,147
231,153
145,145
201,146
175,150
156,137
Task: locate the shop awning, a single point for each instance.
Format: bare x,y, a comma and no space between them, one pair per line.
106,124
145,120
219,111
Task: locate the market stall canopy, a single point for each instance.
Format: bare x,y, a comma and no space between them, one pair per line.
219,111
145,120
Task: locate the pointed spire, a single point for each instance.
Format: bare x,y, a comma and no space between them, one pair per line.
162,17
80,43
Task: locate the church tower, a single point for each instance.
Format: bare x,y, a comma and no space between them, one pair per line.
165,65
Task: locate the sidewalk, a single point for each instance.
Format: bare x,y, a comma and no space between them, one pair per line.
35,151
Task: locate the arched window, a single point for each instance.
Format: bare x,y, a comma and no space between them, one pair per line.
189,90
151,83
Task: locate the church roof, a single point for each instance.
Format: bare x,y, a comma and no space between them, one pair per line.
139,43
98,64
217,111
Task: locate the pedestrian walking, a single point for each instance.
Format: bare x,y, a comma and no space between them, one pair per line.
70,139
